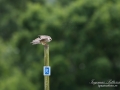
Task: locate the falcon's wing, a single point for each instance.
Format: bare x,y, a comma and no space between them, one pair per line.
36,41
43,36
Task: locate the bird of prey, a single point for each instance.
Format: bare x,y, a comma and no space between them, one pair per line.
42,39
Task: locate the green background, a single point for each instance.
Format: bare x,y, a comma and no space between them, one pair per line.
85,43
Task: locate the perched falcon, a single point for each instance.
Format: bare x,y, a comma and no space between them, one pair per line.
42,39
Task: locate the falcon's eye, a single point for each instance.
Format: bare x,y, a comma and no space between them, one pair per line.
50,39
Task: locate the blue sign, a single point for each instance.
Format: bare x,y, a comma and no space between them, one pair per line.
46,71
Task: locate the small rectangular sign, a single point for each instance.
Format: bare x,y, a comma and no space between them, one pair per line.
46,71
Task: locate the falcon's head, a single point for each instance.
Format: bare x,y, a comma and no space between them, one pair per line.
49,39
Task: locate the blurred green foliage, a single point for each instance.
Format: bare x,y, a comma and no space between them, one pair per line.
85,45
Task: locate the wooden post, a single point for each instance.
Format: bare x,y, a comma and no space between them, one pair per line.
46,63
